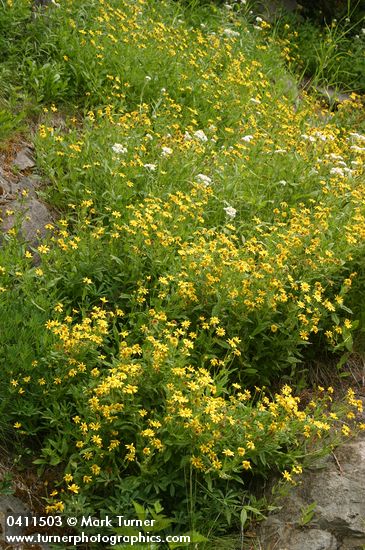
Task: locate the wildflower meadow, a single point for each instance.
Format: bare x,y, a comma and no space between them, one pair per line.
206,248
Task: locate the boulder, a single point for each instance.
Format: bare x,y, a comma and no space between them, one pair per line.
34,216
28,210
11,506
337,491
23,160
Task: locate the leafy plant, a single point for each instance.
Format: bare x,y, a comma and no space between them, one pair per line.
307,514
158,523
208,246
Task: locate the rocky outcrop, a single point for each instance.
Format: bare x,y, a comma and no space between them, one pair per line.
24,160
336,492
19,201
11,506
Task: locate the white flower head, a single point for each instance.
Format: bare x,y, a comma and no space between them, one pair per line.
355,135
151,167
205,180
230,211
247,139
230,33
199,134
337,171
166,151
119,149
187,137
147,78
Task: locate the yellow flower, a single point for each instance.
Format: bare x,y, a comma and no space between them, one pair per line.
95,469
197,462
287,476
228,452
43,249
73,488
345,430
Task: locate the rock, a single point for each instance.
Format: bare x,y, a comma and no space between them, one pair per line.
271,9
24,160
338,523
29,184
34,215
332,96
12,506
5,187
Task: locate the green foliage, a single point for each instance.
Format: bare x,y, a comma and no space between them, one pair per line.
307,514
332,55
9,123
209,242
158,523
6,484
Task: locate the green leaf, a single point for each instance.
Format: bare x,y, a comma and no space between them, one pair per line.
243,517
140,511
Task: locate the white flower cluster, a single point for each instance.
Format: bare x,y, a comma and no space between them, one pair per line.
355,135
166,151
230,211
230,33
204,180
200,135
119,149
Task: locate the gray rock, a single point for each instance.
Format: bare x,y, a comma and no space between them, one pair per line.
5,186
271,9
339,517
11,506
34,216
311,539
331,96
29,184
24,160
